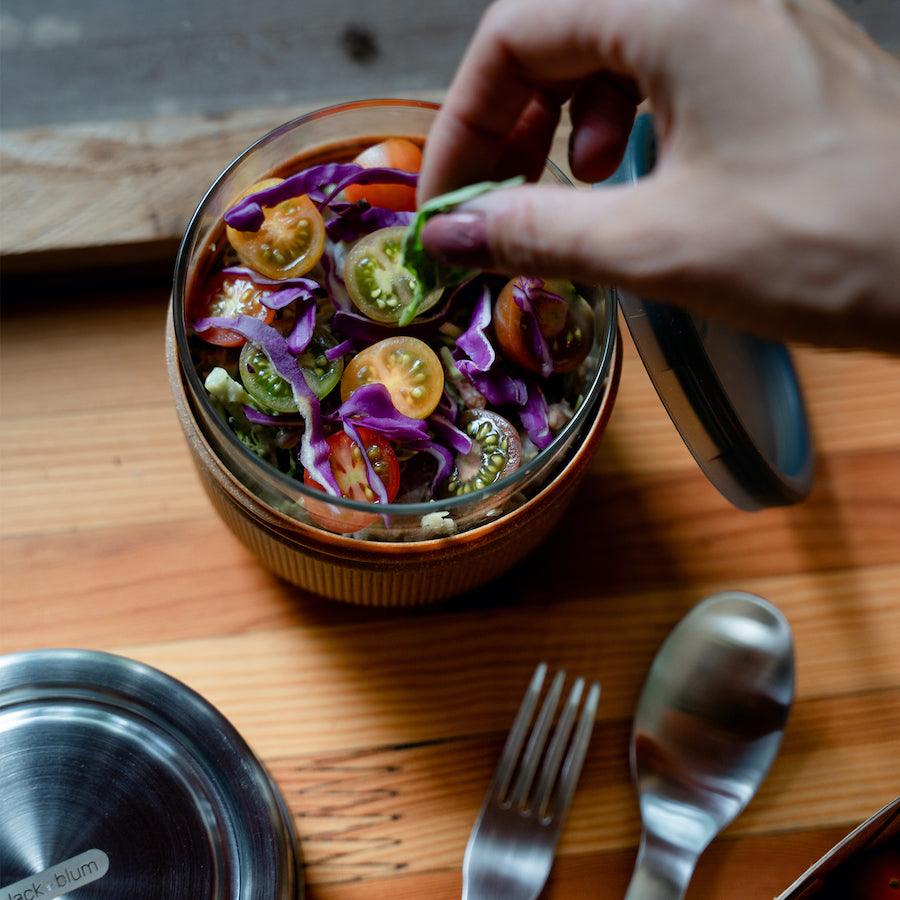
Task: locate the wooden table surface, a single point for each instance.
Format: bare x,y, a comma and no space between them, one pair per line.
383,727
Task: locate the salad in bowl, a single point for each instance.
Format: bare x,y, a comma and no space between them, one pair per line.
347,382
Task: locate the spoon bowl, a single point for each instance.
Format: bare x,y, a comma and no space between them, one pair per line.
707,728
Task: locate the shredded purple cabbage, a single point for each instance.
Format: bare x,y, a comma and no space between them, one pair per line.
473,341
302,332
526,291
373,175
498,387
336,352
313,447
448,407
361,328
288,420
371,407
334,285
247,213
281,299
476,359
449,434
442,456
357,219
308,283
533,416
375,482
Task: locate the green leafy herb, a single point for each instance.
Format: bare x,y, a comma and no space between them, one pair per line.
427,273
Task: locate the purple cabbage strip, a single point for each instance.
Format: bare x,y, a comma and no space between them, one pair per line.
281,299
498,387
302,332
313,447
481,366
370,406
447,432
358,219
473,341
361,328
442,456
308,283
334,285
373,175
447,407
247,213
341,349
534,417
255,417
525,291
372,476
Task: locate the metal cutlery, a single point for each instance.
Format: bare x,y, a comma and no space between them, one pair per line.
511,849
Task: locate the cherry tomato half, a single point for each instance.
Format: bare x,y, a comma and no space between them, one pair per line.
496,452
231,295
352,478
406,366
874,875
378,284
290,240
568,329
394,153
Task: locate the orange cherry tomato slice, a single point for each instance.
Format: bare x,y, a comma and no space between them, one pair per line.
352,478
406,366
394,153
231,295
567,328
290,240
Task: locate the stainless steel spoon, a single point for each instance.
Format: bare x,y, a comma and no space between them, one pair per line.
707,728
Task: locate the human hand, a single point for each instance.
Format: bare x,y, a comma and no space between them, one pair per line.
775,203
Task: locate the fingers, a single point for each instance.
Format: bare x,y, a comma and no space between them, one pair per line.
633,236
520,48
602,111
528,144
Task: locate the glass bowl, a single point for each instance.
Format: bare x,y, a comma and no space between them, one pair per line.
337,134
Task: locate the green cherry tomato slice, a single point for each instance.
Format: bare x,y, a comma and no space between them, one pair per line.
271,391
379,286
322,375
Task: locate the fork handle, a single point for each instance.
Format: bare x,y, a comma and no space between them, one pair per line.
661,872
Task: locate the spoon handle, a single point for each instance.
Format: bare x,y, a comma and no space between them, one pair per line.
662,870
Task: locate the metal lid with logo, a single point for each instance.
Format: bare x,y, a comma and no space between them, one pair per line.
733,397
118,781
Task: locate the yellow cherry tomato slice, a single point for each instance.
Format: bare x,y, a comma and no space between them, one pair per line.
290,240
406,366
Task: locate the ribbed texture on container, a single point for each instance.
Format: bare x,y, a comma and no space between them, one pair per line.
401,584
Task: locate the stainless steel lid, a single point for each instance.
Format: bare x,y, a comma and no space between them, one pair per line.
121,782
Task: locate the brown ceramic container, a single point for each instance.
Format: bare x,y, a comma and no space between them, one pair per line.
405,561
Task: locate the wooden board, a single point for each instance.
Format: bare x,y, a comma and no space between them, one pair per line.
383,727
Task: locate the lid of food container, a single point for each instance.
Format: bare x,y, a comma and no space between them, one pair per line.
733,397
118,781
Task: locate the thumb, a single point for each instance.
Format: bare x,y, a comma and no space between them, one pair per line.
630,235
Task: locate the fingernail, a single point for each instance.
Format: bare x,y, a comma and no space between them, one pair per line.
459,238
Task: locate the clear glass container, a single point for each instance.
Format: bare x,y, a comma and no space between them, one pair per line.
337,134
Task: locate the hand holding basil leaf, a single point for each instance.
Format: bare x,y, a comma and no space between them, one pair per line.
428,273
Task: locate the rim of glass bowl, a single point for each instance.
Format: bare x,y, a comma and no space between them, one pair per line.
288,484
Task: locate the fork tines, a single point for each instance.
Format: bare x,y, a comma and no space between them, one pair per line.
558,777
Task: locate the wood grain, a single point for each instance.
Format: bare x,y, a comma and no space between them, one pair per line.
382,726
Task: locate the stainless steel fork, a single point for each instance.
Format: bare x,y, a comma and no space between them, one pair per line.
511,849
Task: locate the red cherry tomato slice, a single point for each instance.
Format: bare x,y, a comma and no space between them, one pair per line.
568,328
875,875
394,153
231,295
352,478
